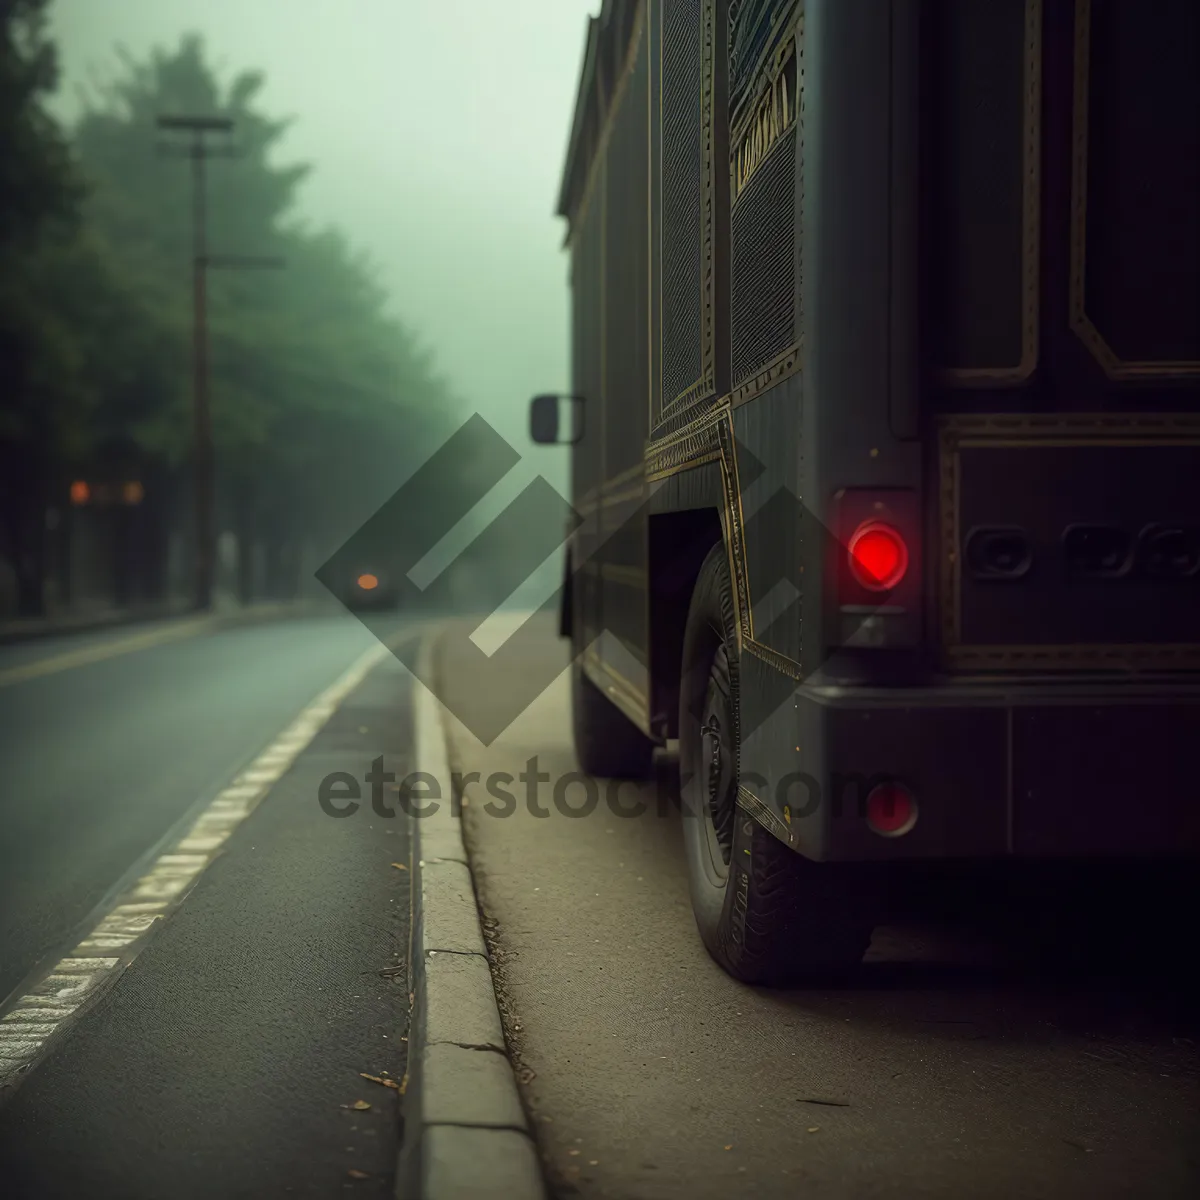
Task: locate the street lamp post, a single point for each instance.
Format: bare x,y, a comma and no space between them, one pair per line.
199,150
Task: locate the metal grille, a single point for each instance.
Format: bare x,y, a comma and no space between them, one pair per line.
682,132
750,28
764,263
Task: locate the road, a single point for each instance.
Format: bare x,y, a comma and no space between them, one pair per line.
999,1042
221,1053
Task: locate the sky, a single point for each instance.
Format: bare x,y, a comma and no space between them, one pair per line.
437,130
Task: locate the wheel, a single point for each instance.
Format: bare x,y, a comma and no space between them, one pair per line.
607,742
766,914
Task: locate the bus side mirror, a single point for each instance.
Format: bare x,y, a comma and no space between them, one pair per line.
556,420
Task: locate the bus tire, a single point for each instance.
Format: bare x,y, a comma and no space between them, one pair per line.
607,742
765,913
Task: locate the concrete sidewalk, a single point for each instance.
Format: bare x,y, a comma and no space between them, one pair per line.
648,1072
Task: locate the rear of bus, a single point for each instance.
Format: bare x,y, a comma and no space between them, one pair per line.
1002,306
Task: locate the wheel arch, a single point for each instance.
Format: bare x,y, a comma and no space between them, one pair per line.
678,543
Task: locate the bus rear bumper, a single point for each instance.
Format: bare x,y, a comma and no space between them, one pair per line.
1037,771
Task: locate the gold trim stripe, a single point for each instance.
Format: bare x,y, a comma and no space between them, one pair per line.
784,366
706,384
708,421
623,692
749,803
772,116
773,658
688,465
711,439
687,446
735,526
1026,430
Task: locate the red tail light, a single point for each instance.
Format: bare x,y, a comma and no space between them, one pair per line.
891,810
878,556
875,560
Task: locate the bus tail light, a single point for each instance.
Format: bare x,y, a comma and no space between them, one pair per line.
878,556
877,573
891,810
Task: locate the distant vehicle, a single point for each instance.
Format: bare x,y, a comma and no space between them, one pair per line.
370,588
886,333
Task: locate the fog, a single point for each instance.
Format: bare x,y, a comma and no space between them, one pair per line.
436,129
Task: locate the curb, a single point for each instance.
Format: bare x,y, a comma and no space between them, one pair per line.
466,1134
12,633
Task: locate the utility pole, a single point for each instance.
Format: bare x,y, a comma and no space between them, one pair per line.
199,150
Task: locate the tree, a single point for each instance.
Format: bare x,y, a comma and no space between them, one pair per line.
322,400
311,377
37,182
42,394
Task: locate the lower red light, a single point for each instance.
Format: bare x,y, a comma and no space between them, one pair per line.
891,810
878,556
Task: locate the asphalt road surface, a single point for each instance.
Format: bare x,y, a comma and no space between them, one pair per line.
1008,1036
223,1055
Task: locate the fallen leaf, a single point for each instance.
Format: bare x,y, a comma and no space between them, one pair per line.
400,866
403,1085
728,1147
357,1174
391,1083
814,1129
572,1152
360,1106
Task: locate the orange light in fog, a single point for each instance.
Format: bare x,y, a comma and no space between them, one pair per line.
80,492
368,583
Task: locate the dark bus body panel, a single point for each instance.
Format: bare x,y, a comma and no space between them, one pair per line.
937,259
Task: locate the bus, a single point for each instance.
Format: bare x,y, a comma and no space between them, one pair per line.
885,441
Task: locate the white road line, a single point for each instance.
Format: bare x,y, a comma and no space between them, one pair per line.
34,1018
